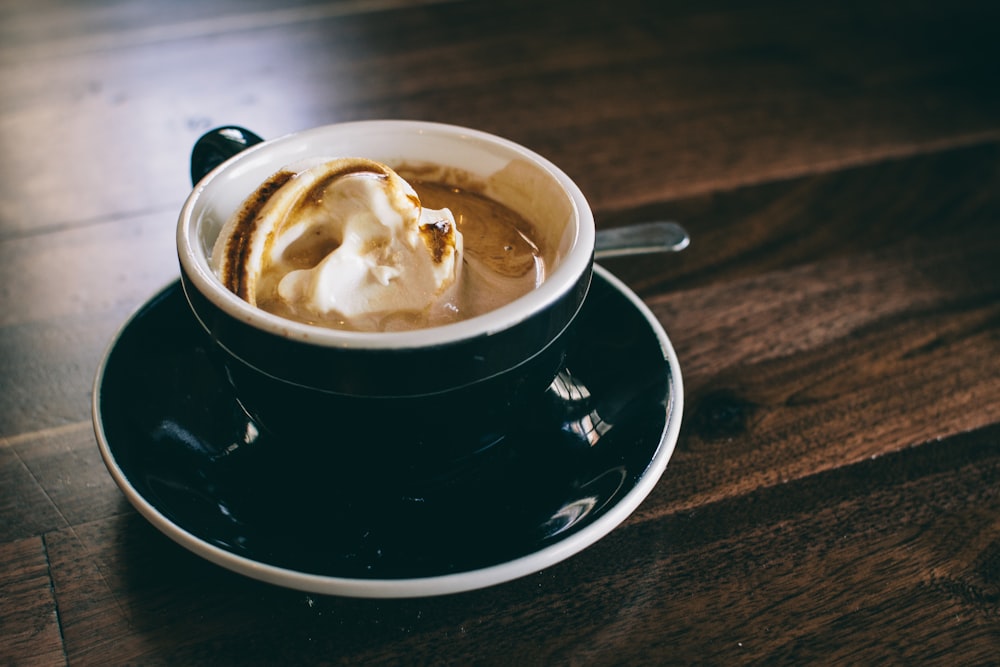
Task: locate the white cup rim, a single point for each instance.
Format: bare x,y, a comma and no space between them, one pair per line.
194,258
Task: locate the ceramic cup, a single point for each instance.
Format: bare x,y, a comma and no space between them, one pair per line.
406,399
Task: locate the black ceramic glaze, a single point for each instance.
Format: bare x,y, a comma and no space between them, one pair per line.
173,428
435,401
218,145
413,371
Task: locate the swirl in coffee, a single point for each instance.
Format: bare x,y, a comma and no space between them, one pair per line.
347,243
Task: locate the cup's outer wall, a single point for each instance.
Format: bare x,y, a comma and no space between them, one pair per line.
387,373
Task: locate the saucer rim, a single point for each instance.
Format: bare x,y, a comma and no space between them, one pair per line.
415,587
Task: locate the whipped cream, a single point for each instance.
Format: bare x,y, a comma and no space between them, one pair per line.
342,242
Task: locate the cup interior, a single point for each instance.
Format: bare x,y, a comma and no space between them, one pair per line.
502,170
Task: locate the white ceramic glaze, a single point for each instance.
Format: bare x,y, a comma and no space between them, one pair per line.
390,141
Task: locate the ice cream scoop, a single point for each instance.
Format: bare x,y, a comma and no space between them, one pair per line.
342,242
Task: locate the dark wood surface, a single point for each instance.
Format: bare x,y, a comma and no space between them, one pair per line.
835,493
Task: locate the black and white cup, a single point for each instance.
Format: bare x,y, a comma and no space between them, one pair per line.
408,398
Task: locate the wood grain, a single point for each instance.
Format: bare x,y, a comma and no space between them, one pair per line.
893,558
926,199
25,507
29,629
665,100
75,288
834,497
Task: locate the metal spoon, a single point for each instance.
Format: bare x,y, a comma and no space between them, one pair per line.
639,239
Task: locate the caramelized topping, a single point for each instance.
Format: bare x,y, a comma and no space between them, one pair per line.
238,244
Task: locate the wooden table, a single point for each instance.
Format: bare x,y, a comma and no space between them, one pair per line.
835,493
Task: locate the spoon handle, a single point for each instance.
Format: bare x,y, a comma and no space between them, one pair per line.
639,239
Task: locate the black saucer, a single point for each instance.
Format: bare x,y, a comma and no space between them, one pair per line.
181,450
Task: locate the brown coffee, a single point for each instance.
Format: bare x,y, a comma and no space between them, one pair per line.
502,260
500,257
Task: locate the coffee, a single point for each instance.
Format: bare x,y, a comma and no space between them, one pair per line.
352,244
502,259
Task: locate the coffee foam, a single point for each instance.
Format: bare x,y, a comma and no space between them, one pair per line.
341,242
